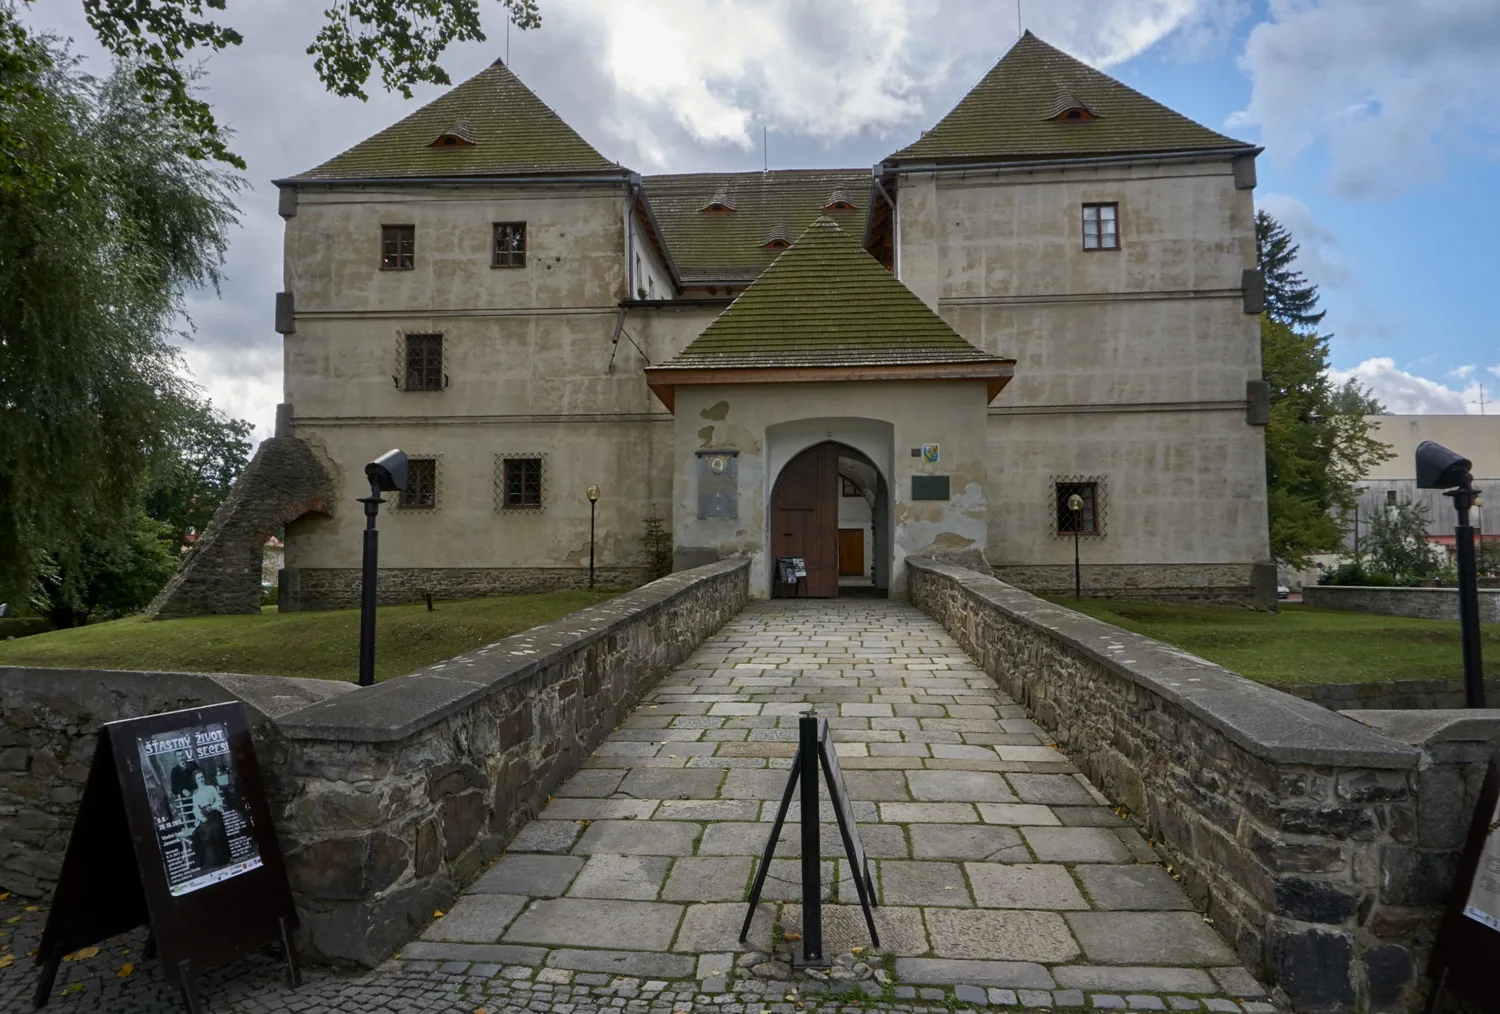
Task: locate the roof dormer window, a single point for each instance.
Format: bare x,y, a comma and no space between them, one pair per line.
778,238
457,136
839,200
718,204
1069,108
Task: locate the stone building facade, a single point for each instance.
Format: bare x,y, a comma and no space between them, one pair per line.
478,286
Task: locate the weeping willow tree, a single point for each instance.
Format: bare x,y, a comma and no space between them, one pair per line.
108,220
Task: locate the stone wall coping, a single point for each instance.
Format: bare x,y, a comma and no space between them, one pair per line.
1459,725
269,696
1402,589
1265,722
398,708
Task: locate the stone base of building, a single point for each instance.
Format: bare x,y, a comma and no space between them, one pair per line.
1246,584
305,588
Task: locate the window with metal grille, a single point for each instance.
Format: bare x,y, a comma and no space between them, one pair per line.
510,245
424,362
421,484
1101,227
398,245
523,482
1085,521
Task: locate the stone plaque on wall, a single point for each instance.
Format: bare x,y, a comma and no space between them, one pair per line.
718,484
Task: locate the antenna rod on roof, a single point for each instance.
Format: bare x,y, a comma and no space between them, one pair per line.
765,149
507,37
1019,29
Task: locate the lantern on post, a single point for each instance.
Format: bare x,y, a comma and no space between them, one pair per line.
593,494
1075,508
387,474
1440,468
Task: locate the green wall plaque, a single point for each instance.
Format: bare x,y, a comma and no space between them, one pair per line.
929,487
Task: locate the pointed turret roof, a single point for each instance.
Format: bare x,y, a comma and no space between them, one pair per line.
512,133
1008,115
827,310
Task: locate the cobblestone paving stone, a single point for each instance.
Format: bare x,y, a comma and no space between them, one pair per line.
1005,879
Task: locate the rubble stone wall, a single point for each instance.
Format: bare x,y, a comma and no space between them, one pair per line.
339,587
1321,845
1422,603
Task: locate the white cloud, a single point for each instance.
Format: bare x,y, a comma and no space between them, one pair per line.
1384,88
1318,256
1405,393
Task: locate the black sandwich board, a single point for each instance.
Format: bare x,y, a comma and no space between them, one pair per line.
1467,950
174,832
815,750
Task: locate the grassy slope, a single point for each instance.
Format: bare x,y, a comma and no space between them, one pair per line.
323,645
1301,644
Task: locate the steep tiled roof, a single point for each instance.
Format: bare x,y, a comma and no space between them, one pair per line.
727,245
514,133
826,303
1006,115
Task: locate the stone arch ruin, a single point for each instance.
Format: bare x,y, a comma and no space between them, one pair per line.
222,572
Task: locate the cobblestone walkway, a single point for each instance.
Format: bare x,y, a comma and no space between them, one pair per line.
1004,878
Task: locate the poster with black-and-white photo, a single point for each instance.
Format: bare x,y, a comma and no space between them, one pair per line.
203,826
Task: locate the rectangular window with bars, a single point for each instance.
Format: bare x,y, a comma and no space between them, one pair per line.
510,245
522,483
1101,227
398,244
421,484
423,355
1085,520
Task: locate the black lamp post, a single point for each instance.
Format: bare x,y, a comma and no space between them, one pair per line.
593,495
1440,468
1075,506
386,473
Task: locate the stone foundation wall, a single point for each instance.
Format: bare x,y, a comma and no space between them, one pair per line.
1298,831
49,725
339,587
1390,695
1228,583
1421,603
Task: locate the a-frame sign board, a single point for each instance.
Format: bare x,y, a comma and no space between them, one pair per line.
1467,951
173,832
815,751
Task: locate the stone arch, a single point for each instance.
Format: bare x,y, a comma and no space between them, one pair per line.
222,572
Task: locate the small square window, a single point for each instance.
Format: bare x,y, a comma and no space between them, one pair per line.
523,482
1085,520
1390,498
848,487
1101,227
397,247
423,362
421,484
510,245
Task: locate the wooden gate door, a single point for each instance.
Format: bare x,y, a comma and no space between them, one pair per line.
805,517
851,552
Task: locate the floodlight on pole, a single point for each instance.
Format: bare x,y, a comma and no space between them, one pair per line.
1440,468
387,473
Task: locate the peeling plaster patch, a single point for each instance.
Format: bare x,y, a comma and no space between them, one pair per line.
717,412
706,436
948,540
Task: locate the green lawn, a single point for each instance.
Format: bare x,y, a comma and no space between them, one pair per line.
323,645
1302,644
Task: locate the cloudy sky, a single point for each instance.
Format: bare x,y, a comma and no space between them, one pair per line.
1380,118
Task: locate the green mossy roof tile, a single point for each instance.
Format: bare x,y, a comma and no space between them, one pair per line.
724,246
514,133
826,302
1006,115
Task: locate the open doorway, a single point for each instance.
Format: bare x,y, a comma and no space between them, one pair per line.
829,508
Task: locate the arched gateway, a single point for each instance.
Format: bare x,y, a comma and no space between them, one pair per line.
826,370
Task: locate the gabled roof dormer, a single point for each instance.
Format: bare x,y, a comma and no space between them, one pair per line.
718,204
459,135
839,200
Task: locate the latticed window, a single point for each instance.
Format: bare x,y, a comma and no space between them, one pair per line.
523,482
424,362
510,245
1101,227
398,244
421,484
1084,521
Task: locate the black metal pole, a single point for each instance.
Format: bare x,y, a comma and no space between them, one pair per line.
592,505
367,590
1468,598
812,859
1077,574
